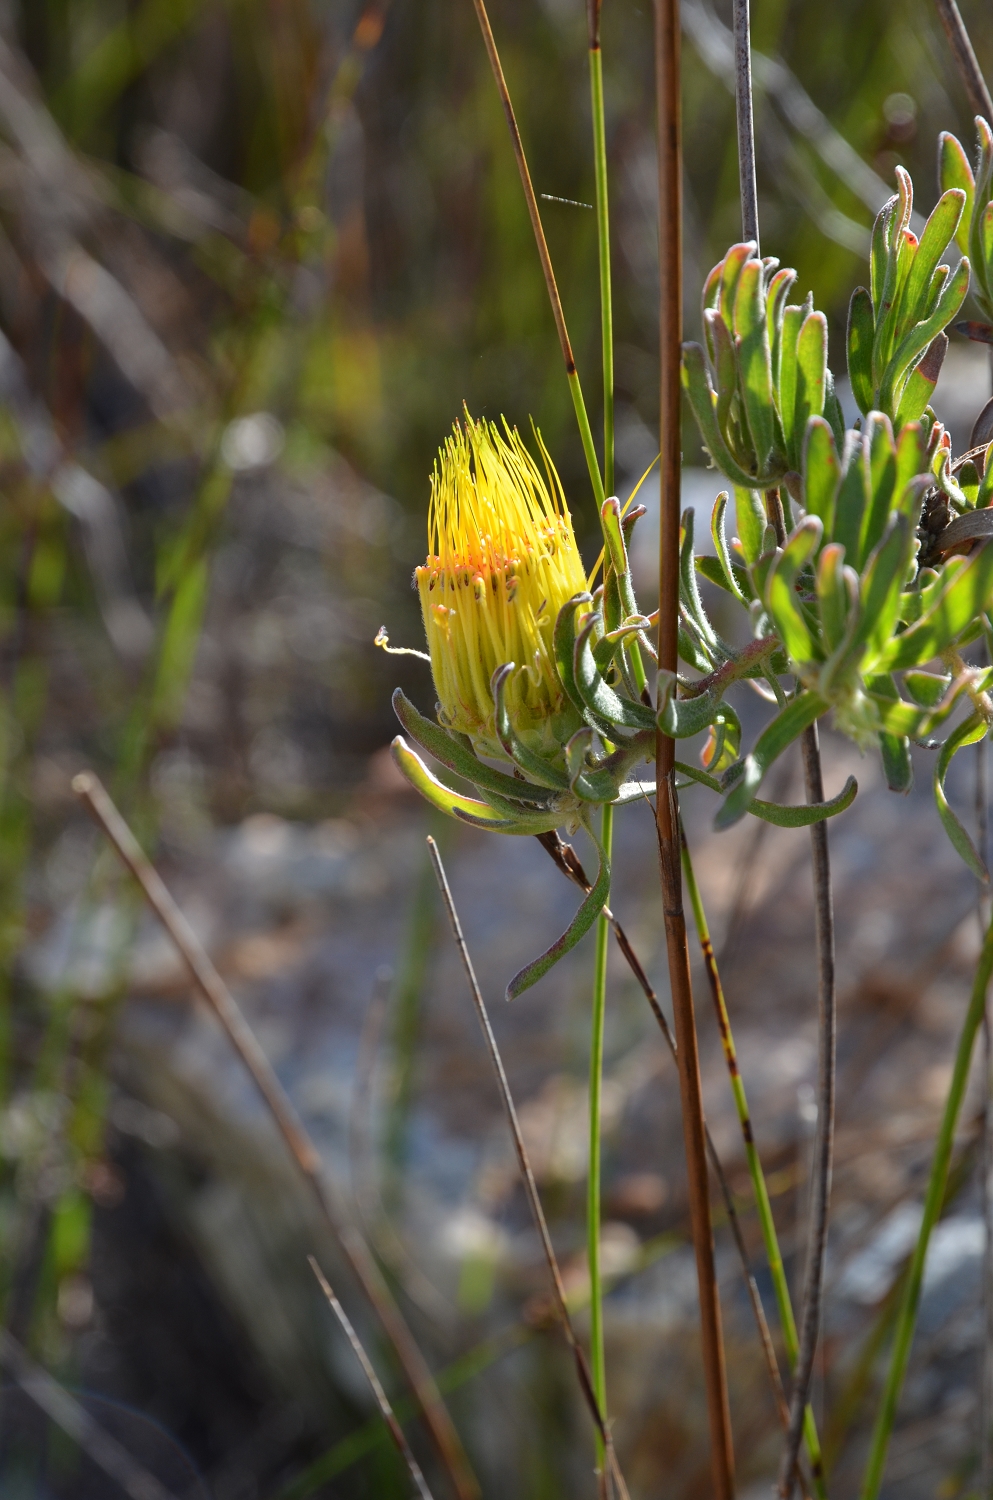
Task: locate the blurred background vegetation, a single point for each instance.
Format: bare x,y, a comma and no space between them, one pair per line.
254,256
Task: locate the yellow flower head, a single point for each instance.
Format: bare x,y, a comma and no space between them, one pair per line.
502,562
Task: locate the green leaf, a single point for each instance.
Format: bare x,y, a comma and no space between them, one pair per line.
696,383
853,495
911,456
689,650
448,752
534,766
563,646
689,594
785,815
954,602
940,228
861,332
811,362
750,517
787,726
754,360
724,741
985,237
713,570
917,340
967,733
920,386
832,595
833,411
610,518
781,596
898,767
954,171
725,362
721,548
465,808
775,300
821,472
879,254
683,717
985,496
786,385
605,709
881,582
731,267
927,688
581,923
878,431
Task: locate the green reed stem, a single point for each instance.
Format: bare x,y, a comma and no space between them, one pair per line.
770,1239
603,244
937,1184
597,1362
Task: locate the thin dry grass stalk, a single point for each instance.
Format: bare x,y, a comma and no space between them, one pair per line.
382,1400
220,1000
965,59
668,96
810,1316
75,1421
530,1186
572,373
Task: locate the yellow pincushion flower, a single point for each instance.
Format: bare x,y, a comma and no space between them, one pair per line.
502,562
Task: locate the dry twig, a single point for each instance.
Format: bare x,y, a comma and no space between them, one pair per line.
527,1176
383,1401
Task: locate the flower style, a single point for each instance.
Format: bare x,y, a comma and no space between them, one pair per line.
502,562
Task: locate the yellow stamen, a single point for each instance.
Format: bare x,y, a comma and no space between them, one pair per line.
502,561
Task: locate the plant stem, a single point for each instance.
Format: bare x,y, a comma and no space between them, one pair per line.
668,104
597,1359
769,1237
527,1176
603,243
820,1196
965,59
575,389
393,1427
745,121
937,1184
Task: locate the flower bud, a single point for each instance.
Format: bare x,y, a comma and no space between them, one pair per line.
502,562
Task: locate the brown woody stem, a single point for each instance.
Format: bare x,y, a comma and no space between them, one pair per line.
668,101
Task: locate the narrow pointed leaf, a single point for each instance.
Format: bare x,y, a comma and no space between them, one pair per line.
721,548
696,383
954,171
861,331
821,472
580,925
940,228
606,709
754,360
456,806
811,362
853,495
967,733
787,726
832,595
456,757
898,768
534,766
